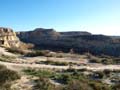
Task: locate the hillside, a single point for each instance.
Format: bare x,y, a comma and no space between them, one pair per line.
34,69
80,42
38,70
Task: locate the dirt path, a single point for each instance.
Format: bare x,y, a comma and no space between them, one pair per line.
17,67
38,59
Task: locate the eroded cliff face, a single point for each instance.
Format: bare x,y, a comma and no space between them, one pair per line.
80,42
8,38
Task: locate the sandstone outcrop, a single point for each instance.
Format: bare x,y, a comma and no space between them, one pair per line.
8,38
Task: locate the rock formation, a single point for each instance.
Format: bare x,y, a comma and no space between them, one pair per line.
8,38
80,42
75,33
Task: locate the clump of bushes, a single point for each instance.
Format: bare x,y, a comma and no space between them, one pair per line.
93,59
16,51
116,87
22,49
98,75
2,67
108,61
62,78
39,73
45,84
46,53
6,58
69,80
54,63
104,59
25,46
80,82
98,86
107,72
38,53
70,70
60,55
6,77
77,85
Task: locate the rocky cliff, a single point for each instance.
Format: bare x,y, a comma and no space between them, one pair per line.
75,33
80,42
8,38
50,38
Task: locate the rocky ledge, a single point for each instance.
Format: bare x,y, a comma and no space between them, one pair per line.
8,38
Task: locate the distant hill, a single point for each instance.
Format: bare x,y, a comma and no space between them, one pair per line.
79,41
115,37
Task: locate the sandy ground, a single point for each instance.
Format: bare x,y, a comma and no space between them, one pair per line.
20,63
15,66
28,62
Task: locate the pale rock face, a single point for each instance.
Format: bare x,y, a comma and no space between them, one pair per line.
8,38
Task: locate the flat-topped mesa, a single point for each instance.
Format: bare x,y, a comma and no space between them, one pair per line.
8,38
39,34
46,32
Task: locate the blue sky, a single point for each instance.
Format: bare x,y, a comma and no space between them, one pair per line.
96,16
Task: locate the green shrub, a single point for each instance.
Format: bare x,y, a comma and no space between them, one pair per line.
39,73
77,85
99,86
70,80
94,60
16,51
70,70
63,78
54,63
98,75
107,61
116,87
6,58
37,53
6,77
2,67
107,72
59,55
45,84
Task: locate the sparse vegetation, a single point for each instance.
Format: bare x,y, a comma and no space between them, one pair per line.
6,58
116,87
6,77
53,63
26,45
68,80
106,60
16,51
44,84
98,75
39,73
38,53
